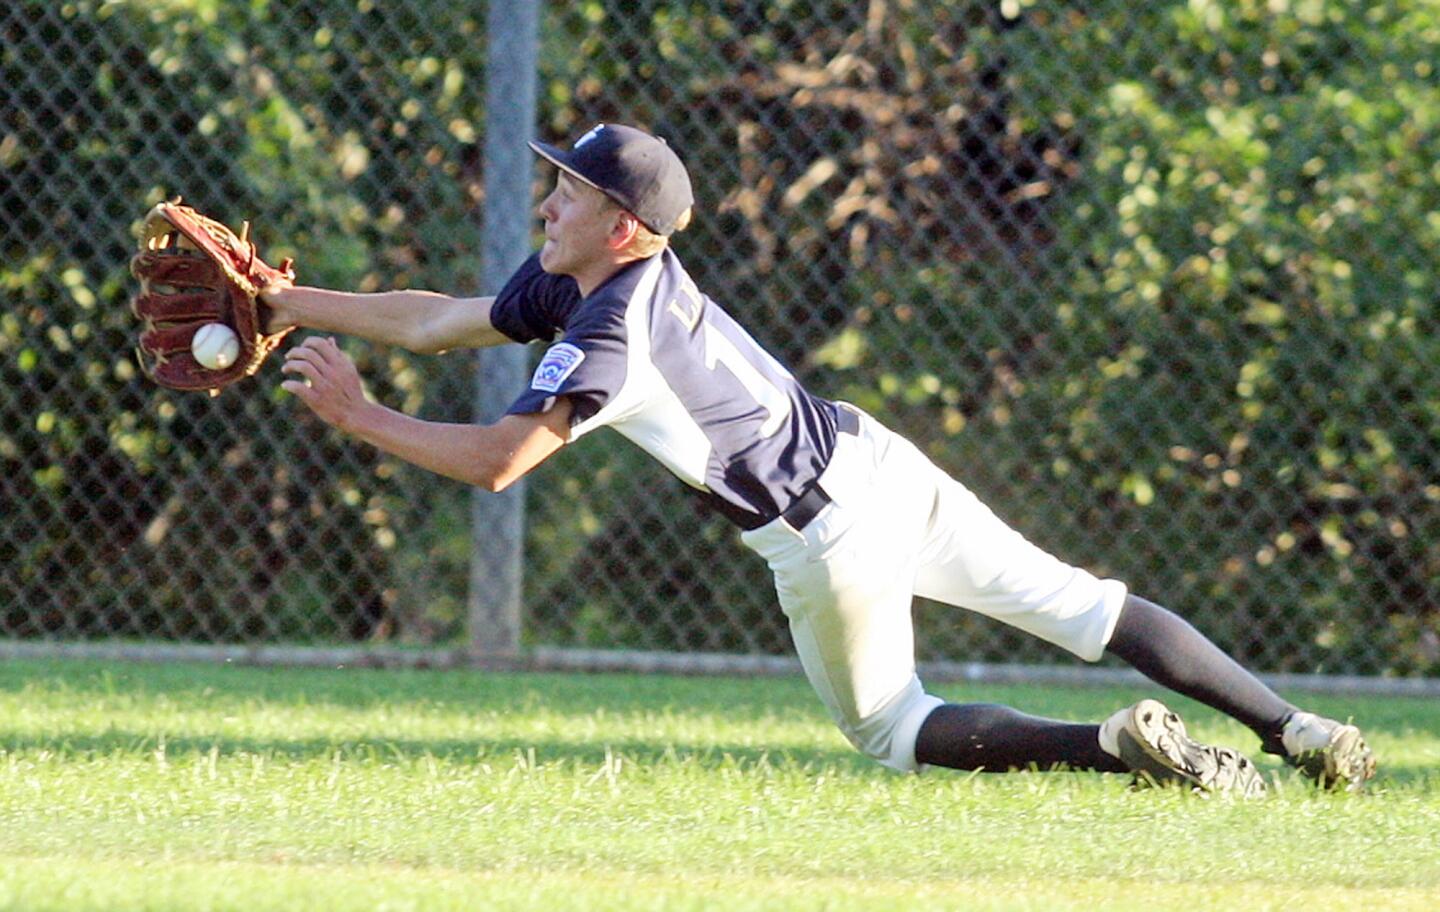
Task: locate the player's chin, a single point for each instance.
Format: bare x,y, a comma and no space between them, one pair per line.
550,259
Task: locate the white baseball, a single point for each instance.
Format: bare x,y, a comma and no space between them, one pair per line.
215,346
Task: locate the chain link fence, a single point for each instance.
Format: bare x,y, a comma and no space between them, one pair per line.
1158,282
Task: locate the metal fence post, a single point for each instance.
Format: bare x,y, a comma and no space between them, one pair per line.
498,520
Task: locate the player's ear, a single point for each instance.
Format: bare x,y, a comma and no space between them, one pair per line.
624,230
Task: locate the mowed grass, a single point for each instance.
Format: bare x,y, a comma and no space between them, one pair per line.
194,787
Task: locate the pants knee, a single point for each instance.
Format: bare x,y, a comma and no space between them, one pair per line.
888,735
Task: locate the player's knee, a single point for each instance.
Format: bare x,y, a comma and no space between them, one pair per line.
888,735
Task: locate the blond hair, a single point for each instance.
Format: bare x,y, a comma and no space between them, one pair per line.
647,243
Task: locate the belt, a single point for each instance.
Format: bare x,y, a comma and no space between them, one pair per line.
809,504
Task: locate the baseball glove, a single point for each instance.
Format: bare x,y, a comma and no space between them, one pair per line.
194,271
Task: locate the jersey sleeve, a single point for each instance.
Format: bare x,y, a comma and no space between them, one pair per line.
589,366
534,304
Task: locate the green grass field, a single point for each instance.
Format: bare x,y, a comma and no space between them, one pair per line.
195,787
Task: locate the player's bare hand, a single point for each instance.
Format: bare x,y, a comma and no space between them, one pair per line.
326,381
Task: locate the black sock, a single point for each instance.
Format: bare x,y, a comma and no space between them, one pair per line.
1166,649
996,738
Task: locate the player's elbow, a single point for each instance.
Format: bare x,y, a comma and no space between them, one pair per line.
495,475
501,482
495,482
505,451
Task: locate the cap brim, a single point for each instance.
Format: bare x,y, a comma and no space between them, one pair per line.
561,159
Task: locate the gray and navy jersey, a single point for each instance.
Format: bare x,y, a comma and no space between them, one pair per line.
649,355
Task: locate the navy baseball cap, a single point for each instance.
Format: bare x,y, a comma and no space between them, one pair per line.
636,170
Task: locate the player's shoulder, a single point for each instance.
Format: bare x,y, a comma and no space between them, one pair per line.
534,304
632,291
530,281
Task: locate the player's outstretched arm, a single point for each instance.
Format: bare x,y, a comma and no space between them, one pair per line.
490,456
422,321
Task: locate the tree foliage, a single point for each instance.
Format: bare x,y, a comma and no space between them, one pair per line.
1157,281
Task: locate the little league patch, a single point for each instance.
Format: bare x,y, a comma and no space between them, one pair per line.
559,362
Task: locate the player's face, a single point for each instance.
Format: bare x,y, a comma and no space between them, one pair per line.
578,221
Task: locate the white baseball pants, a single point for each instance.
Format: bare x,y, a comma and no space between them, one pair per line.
896,527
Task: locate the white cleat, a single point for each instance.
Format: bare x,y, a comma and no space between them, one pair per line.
1151,740
1332,753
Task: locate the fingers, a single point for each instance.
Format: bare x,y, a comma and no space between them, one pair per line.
316,357
303,366
320,367
321,349
329,350
325,379
300,390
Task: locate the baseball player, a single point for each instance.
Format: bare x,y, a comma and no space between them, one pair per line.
853,520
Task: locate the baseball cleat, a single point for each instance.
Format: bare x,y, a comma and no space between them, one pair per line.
1332,753
1151,740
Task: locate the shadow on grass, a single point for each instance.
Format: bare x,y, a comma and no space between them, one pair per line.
505,753
228,689
363,688
502,752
